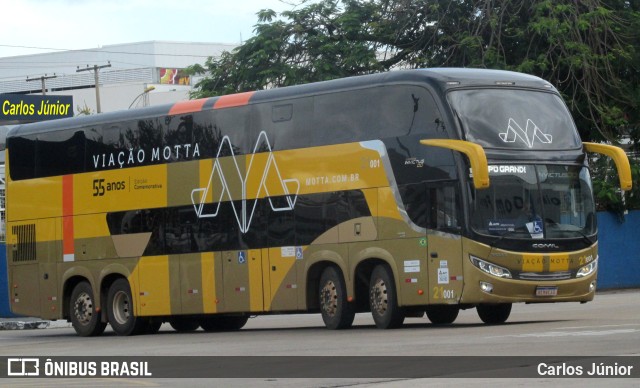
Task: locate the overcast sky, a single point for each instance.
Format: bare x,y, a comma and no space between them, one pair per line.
27,25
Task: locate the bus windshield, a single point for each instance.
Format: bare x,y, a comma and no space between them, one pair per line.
535,201
514,119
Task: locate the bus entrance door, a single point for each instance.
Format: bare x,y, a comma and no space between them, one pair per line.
445,268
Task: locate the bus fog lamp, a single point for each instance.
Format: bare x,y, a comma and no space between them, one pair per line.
486,287
592,287
588,269
491,269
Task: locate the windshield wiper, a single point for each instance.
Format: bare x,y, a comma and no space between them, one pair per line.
508,234
554,224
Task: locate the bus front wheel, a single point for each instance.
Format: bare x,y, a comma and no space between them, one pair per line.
337,312
82,310
121,315
383,299
494,314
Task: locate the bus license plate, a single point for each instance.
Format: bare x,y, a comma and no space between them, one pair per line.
547,291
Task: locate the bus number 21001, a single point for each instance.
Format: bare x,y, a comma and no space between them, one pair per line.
442,293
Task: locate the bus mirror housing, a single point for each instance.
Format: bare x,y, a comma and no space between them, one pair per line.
619,157
474,152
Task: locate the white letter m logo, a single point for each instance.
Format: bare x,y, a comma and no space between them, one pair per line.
528,135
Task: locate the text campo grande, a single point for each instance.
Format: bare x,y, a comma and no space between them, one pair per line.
91,368
139,156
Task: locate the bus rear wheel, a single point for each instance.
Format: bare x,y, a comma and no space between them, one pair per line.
184,325
494,314
153,326
121,315
223,323
337,312
442,314
82,310
383,299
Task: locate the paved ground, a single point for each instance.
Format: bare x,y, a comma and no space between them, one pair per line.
29,323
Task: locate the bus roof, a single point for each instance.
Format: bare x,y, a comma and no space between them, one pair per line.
440,79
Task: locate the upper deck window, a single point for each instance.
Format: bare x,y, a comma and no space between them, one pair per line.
515,119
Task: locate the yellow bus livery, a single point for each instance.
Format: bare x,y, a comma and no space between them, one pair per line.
403,193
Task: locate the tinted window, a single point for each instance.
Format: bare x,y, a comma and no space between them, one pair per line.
22,151
380,112
517,119
233,123
416,204
60,152
287,124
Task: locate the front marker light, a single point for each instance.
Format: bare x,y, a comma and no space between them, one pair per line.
491,269
588,269
486,287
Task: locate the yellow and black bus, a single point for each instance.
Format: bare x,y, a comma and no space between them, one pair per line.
399,193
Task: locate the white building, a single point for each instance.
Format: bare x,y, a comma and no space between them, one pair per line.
134,75
134,68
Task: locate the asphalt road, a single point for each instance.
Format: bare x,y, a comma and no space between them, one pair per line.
608,326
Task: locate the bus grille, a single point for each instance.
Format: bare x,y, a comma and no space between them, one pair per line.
545,276
25,249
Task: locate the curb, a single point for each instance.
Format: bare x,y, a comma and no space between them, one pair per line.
32,325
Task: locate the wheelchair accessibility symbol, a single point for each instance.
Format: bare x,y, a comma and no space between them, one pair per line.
537,226
241,258
299,254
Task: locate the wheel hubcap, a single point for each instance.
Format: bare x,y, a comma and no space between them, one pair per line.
379,300
121,307
329,298
83,308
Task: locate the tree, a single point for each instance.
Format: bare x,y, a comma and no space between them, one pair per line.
586,48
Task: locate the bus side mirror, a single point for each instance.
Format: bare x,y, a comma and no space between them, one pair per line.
473,151
620,159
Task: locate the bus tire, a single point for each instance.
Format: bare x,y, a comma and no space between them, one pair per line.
184,325
442,314
383,299
121,311
223,323
337,312
82,310
153,326
494,314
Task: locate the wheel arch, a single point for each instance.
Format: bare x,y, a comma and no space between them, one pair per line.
362,278
362,266
108,275
313,274
67,288
105,284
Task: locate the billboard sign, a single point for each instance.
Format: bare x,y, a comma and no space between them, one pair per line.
174,77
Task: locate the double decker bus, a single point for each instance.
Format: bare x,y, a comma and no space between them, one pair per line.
403,193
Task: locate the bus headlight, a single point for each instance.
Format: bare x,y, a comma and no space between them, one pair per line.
588,269
491,269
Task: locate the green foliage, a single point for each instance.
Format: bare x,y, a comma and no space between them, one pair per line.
607,191
586,48
589,49
83,110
